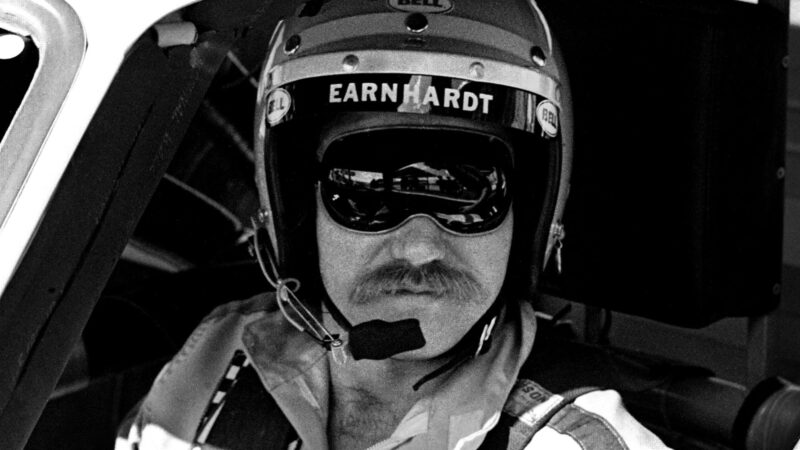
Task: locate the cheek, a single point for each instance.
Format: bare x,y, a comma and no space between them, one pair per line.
329,266
488,256
338,260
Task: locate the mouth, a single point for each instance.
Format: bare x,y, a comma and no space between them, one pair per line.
413,292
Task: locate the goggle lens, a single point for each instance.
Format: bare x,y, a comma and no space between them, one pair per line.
374,181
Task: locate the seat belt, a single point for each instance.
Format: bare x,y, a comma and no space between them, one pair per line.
243,416
528,409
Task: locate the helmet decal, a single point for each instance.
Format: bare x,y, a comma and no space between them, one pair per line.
413,94
279,102
410,93
547,116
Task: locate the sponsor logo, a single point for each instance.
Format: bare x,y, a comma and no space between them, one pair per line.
527,395
413,95
422,6
278,103
547,116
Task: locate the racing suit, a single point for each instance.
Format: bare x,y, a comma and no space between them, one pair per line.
481,404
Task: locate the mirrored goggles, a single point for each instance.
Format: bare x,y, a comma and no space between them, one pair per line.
374,181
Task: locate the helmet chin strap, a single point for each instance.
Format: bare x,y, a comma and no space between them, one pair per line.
477,341
378,339
374,339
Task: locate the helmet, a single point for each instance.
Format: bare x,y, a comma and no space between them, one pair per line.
413,72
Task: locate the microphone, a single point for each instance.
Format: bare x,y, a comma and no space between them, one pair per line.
378,339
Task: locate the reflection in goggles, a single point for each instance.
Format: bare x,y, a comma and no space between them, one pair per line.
373,181
460,194
420,179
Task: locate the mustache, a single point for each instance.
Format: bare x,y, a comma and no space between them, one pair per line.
400,277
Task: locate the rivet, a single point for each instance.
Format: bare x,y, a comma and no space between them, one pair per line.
476,70
785,62
417,23
350,63
776,289
781,173
292,44
537,56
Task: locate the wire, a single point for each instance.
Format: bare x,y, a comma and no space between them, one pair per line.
246,73
285,290
229,130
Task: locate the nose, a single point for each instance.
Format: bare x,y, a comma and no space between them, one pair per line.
419,241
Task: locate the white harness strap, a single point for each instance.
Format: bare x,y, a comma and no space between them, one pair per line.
530,407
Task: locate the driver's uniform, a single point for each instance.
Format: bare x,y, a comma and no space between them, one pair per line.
477,402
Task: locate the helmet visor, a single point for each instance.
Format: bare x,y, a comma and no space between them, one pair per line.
373,181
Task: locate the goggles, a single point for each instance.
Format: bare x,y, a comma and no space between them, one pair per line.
374,181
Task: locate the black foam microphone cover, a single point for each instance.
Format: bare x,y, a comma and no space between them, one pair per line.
378,339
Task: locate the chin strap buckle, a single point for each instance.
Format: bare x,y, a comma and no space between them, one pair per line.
337,350
486,335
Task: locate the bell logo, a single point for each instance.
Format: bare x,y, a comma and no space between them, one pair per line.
547,116
422,6
278,103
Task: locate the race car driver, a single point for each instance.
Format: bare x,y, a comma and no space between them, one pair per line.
413,165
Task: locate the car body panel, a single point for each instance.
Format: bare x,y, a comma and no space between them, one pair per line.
80,61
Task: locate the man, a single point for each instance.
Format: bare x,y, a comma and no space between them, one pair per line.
413,163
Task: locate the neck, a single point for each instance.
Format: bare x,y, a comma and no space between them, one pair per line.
369,398
393,376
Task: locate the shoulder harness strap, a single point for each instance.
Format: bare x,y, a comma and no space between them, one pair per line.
528,409
241,415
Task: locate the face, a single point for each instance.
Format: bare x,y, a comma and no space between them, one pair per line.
359,271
